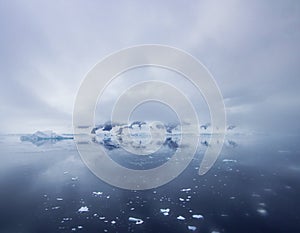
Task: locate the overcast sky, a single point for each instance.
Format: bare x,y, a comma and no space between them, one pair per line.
251,48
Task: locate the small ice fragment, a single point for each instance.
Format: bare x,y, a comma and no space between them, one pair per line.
136,220
255,195
181,199
215,232
262,212
102,218
181,218
229,160
74,178
73,229
113,222
80,227
59,199
198,216
192,228
66,172
185,190
165,211
262,204
55,208
97,193
83,209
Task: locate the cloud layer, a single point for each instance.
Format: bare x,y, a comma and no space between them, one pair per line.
251,48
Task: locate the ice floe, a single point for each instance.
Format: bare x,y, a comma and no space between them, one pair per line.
97,193
181,218
198,216
192,228
165,211
185,189
83,209
136,220
262,211
229,160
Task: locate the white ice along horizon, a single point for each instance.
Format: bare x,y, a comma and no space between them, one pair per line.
166,57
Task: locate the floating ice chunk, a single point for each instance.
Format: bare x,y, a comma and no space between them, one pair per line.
262,204
55,207
229,160
80,227
185,190
192,228
74,178
113,222
136,220
181,218
268,190
262,212
181,199
165,211
255,195
198,216
59,199
97,193
83,209
215,232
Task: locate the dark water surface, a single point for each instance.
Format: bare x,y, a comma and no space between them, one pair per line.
253,187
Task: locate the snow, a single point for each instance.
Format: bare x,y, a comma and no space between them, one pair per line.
136,220
83,209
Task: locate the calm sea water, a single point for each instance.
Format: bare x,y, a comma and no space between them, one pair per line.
253,187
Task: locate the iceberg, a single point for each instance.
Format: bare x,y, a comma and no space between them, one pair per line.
41,137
